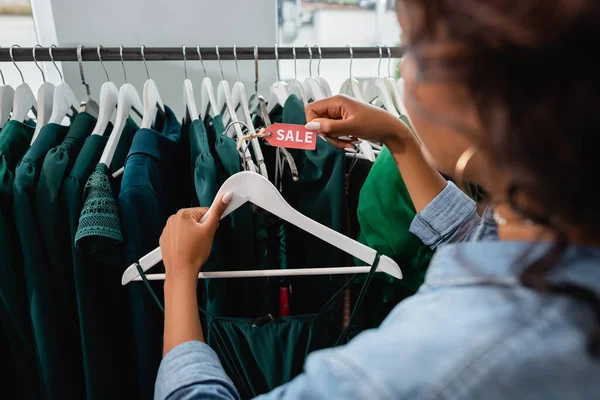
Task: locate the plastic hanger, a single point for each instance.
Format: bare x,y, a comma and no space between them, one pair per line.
89,105
294,85
240,101
109,97
64,99
256,189
313,86
128,99
189,100
351,87
279,91
208,101
7,95
378,90
393,86
323,81
44,99
153,104
24,100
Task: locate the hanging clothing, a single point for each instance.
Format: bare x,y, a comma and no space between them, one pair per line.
105,323
147,200
56,333
14,306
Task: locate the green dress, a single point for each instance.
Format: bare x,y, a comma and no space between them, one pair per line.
56,332
14,309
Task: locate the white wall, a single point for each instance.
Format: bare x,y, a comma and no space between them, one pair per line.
158,23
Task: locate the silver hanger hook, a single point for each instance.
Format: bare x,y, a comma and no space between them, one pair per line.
309,60
201,60
295,64
277,62
102,62
143,51
2,75
123,62
256,70
53,46
10,51
236,123
80,62
351,58
389,51
320,59
220,64
38,46
184,62
237,68
380,57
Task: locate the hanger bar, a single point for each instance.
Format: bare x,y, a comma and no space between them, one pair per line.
90,53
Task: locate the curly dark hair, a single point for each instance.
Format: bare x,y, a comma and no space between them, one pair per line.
531,70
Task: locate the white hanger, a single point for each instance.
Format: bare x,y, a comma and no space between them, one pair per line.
279,91
324,84
351,87
7,95
294,85
89,105
189,100
208,101
128,99
24,100
312,86
240,101
109,97
153,104
44,99
393,86
378,89
64,100
256,189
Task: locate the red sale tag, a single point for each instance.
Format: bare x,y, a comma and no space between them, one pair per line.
291,136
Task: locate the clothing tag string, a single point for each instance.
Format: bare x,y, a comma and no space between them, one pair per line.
261,133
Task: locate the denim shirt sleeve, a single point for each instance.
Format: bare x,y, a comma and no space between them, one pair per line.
450,217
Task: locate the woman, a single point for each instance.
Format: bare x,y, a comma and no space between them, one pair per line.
503,93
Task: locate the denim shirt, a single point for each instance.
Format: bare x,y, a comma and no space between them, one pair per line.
471,332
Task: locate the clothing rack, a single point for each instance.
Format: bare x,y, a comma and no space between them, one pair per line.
90,53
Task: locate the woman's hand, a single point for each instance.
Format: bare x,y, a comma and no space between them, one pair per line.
342,118
186,242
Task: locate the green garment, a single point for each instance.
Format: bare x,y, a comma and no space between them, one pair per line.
14,307
49,210
319,194
56,338
104,318
385,212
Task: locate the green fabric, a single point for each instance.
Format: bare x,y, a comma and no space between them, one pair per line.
14,309
56,332
104,317
319,194
49,211
385,212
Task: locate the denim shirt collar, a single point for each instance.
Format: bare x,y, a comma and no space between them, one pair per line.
502,263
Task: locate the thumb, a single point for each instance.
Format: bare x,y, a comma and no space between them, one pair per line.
328,126
217,210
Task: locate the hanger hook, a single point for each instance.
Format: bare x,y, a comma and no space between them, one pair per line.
38,46
232,123
320,59
201,60
102,62
295,68
10,51
220,64
80,62
2,75
53,46
123,62
184,62
143,51
380,57
351,58
309,60
256,70
237,68
389,51
277,62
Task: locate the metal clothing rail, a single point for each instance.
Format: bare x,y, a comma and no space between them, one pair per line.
90,53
